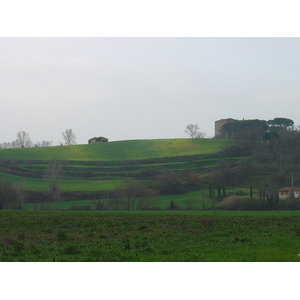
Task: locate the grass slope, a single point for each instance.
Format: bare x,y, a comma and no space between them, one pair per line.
120,150
83,170
37,184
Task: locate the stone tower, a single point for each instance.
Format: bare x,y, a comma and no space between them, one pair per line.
218,126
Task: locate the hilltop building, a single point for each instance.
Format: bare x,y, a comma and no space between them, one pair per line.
218,126
100,139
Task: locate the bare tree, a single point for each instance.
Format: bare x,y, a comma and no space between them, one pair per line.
5,145
23,140
8,195
69,137
53,175
191,130
135,195
169,183
201,135
43,144
22,192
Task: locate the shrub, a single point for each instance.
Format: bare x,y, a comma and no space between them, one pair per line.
238,203
230,202
288,204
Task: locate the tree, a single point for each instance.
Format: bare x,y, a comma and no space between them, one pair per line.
193,180
201,135
22,192
172,204
43,144
281,122
169,183
53,176
192,130
23,140
8,195
235,128
69,137
5,145
136,195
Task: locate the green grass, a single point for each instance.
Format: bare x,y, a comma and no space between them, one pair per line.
120,237
82,163
37,184
162,201
120,150
63,205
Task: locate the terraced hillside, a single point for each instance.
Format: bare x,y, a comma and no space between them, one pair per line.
101,166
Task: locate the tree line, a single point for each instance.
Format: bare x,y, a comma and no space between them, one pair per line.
275,156
266,129
23,140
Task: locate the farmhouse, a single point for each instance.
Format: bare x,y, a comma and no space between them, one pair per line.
100,139
287,192
218,127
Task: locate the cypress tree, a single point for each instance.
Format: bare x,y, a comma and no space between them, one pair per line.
219,190
172,204
224,192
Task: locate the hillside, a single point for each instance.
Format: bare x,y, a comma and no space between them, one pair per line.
167,166
102,166
120,150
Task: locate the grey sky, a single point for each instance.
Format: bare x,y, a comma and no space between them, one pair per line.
143,88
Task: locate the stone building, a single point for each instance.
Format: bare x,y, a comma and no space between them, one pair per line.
218,126
100,139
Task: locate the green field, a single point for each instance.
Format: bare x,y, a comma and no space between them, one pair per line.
120,150
102,166
139,237
37,184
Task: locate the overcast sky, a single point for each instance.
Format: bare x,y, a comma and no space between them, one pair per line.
143,88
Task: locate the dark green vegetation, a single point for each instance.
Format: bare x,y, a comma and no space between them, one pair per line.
269,128
90,236
266,164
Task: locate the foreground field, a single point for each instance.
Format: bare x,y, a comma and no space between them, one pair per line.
95,236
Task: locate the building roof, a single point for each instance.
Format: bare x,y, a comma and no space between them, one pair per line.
228,119
98,137
289,189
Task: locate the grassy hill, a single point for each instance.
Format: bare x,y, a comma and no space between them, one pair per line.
120,150
101,167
